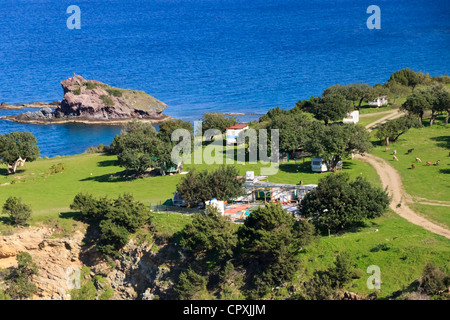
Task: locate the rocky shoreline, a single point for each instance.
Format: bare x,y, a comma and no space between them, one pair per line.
109,122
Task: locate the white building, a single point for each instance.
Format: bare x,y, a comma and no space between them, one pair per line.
380,101
352,117
233,132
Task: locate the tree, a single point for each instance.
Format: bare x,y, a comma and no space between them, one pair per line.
417,103
337,202
199,187
440,102
397,90
391,130
210,235
167,128
16,148
293,130
190,284
138,147
19,282
217,120
268,242
343,270
408,77
19,213
336,142
114,219
331,107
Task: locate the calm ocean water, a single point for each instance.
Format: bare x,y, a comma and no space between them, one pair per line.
209,55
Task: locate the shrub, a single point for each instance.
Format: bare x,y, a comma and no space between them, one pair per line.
77,91
433,280
19,284
90,85
114,92
19,213
190,284
56,168
107,101
98,149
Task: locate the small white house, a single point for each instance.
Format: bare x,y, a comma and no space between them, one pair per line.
233,132
319,165
352,117
380,101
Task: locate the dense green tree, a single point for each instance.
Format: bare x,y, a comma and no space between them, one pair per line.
338,202
440,102
337,142
199,187
114,219
343,270
167,128
139,147
418,102
293,129
408,77
331,107
210,235
16,148
391,130
190,284
217,120
19,213
268,242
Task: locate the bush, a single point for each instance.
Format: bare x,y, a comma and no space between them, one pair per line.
114,92
90,85
114,219
107,101
190,284
98,149
19,284
433,280
19,213
77,91
56,168
381,246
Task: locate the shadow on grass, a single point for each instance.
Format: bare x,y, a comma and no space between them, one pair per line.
72,215
117,177
442,141
3,172
444,171
303,167
107,163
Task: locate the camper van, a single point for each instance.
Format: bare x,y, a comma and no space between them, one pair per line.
319,165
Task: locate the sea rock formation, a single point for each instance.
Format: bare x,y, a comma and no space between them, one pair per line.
98,101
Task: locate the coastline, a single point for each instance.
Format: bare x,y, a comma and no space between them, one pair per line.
32,105
107,122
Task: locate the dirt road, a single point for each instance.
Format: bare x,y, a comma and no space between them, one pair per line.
391,179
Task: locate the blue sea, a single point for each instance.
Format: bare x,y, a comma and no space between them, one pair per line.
200,56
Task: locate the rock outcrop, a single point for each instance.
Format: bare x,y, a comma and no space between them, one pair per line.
98,101
56,259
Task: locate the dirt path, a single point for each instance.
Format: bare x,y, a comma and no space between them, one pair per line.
391,179
390,115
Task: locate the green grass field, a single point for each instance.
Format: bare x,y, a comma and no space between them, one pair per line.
410,248
429,182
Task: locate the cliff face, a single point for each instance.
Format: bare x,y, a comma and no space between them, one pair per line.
98,101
